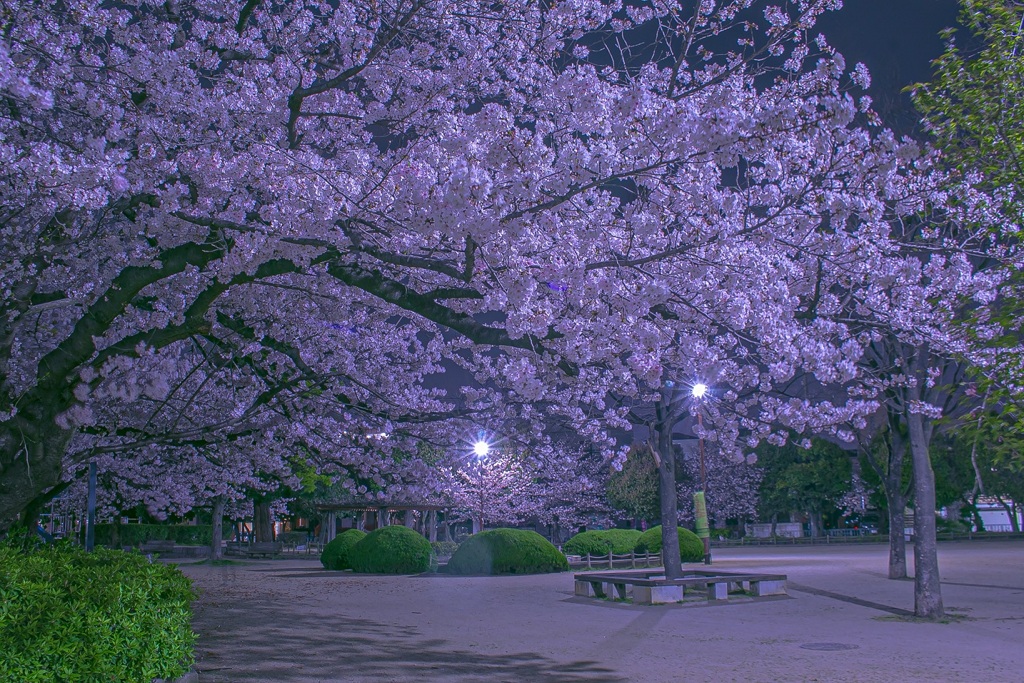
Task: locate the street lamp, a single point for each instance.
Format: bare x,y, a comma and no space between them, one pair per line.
481,448
700,505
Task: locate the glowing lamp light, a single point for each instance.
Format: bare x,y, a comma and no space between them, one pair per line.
699,390
481,448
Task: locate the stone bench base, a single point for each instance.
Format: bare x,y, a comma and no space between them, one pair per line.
650,588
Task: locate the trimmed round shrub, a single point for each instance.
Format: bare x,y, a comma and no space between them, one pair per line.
601,542
507,551
623,540
391,550
69,615
335,554
691,548
587,543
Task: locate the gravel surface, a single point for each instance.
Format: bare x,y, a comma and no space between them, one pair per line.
292,621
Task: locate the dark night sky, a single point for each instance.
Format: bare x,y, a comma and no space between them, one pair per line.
897,40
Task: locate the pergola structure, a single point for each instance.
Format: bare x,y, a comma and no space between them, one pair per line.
378,514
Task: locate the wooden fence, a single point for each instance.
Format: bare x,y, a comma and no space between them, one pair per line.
612,561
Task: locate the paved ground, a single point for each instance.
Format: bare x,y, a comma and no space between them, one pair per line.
289,621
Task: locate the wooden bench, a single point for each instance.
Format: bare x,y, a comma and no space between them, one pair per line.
652,588
161,546
262,549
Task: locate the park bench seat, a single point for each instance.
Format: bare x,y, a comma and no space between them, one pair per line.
157,546
262,549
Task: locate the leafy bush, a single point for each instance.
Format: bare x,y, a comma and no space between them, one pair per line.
617,541
623,540
691,548
587,543
134,534
950,526
69,615
507,551
336,553
444,548
391,550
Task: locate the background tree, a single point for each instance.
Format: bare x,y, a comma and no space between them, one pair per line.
811,479
883,449
633,490
973,108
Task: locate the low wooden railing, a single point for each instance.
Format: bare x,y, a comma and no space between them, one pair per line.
611,561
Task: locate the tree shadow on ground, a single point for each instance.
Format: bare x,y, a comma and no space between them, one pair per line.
259,641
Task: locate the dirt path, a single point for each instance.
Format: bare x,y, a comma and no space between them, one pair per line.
291,621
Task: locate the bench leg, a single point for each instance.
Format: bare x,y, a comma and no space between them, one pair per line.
584,589
760,588
657,595
718,591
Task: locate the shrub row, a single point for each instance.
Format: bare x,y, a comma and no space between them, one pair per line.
69,615
399,550
624,541
134,534
691,548
602,542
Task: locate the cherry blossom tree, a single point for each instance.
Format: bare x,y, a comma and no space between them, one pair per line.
572,204
196,170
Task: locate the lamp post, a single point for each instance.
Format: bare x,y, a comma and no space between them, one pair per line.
700,505
481,448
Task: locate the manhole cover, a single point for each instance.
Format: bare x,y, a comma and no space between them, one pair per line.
829,647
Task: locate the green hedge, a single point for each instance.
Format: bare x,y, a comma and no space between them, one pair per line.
134,534
68,615
336,553
507,551
601,542
391,550
691,548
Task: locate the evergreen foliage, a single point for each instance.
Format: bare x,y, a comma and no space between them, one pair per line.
391,550
691,548
633,490
336,553
507,551
134,534
601,542
68,615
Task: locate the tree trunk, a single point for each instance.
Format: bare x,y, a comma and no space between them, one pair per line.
262,523
891,475
892,484
431,523
30,466
897,539
927,587
814,518
667,487
1011,512
217,529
